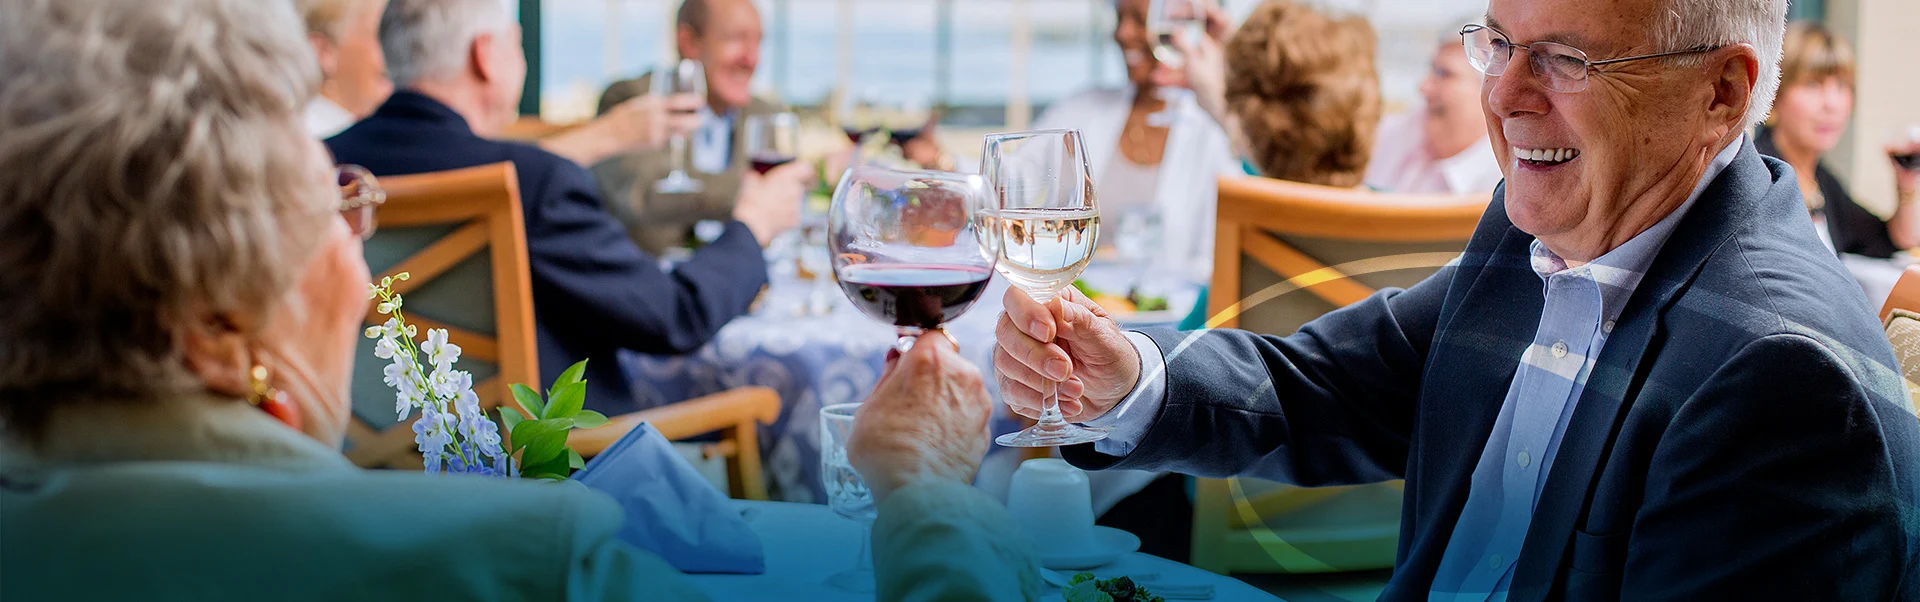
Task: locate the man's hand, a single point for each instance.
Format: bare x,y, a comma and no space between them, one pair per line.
1071,340
926,420
770,204
641,123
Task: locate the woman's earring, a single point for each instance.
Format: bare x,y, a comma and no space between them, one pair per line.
269,399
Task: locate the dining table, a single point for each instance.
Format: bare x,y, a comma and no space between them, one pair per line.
814,348
804,543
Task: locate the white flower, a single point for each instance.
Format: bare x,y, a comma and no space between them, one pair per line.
404,377
448,383
439,352
385,348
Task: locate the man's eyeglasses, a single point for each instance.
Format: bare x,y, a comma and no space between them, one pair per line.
360,194
1563,67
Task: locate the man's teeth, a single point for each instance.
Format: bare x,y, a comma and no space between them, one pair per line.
1545,155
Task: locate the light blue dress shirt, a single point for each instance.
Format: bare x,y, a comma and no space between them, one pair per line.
1581,306
712,148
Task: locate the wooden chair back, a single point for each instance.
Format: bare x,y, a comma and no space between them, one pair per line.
1285,253
530,129
1900,315
461,237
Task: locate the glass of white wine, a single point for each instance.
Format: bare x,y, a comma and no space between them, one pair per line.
1167,19
1045,216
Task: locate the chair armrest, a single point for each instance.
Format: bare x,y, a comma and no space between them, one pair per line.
676,421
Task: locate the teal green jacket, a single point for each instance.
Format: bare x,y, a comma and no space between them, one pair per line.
212,500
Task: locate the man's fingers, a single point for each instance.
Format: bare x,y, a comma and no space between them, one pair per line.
1044,358
1028,315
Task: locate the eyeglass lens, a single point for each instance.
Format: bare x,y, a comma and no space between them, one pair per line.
1564,67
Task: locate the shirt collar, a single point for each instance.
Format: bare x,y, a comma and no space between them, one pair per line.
1620,270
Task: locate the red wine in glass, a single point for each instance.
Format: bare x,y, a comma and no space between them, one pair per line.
1908,161
856,134
900,137
765,162
913,296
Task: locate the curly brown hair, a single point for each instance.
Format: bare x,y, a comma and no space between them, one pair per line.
1303,86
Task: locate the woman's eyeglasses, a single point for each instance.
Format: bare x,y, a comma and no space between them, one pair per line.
360,194
1563,67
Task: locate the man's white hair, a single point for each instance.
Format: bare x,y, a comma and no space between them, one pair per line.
427,39
1689,24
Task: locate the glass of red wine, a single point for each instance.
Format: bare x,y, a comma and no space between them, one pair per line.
906,246
772,140
685,76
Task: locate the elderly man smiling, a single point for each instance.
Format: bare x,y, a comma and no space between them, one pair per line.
1644,379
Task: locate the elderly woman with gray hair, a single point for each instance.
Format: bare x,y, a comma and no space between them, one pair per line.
184,301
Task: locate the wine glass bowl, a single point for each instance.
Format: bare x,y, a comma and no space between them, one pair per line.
772,140
906,248
1047,219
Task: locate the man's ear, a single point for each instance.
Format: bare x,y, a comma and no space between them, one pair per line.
481,58
687,42
324,50
1734,71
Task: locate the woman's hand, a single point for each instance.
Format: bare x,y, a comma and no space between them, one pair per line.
1206,64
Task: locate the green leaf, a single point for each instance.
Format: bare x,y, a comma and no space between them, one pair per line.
554,468
574,461
529,432
509,418
587,419
572,375
567,401
548,443
529,399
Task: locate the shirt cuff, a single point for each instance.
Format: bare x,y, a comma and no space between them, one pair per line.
1128,422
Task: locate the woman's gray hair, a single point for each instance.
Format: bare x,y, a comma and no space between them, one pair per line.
154,178
428,39
1687,24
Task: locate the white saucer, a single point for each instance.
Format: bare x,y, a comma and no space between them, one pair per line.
1109,545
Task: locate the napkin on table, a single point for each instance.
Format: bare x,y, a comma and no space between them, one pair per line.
671,509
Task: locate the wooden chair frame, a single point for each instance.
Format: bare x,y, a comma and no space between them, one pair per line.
1248,208
485,201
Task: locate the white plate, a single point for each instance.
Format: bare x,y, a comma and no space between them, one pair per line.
1109,545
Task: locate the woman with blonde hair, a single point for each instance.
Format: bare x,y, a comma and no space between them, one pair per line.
1815,103
183,302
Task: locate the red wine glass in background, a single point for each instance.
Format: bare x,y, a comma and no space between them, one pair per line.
1904,147
685,76
772,140
906,247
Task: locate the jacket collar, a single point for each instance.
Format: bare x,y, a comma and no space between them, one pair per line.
191,428
1735,199
410,105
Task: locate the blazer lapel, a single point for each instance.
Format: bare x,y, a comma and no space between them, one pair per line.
1620,372
1471,366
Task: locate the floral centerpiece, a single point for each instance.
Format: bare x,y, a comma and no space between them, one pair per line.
454,435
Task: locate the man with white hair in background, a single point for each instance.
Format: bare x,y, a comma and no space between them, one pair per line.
1645,379
1441,146
459,67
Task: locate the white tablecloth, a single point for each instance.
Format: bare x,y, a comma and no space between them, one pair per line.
807,542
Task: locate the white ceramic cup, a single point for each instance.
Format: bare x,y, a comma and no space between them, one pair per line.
1052,503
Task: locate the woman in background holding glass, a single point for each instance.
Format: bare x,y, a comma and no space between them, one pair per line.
1143,166
1816,101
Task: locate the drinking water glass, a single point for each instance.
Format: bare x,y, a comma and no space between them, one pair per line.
847,493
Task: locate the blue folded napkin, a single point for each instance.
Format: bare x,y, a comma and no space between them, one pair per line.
671,509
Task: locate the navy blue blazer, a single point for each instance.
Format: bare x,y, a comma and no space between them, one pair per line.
1744,434
594,291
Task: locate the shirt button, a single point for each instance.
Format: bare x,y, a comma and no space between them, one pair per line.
1494,562
1559,348
1525,458
1607,327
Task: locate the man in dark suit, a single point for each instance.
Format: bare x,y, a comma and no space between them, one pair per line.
1644,379
459,69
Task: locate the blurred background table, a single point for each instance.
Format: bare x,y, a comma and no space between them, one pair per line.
807,542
